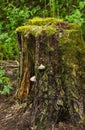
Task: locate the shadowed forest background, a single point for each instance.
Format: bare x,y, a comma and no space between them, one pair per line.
16,13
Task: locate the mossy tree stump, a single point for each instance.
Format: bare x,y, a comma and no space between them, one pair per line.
52,54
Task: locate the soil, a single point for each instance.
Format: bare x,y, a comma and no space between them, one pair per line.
13,114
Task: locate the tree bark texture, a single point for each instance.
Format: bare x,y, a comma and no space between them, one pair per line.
57,94
26,63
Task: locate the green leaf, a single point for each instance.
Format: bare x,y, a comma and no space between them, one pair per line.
6,90
2,72
1,81
82,4
5,79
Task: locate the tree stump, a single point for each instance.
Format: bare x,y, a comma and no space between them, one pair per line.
52,64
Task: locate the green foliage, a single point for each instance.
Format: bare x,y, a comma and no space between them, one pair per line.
15,13
12,18
52,7
77,15
5,85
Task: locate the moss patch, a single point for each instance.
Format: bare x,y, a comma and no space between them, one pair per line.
50,26
43,21
36,30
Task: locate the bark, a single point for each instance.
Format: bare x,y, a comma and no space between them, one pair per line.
53,95
26,47
24,84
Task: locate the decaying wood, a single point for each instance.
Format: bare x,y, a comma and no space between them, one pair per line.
54,94
24,84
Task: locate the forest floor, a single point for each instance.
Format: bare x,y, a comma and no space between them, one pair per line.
13,114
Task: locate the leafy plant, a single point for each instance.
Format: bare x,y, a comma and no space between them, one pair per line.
12,18
77,15
15,13
5,85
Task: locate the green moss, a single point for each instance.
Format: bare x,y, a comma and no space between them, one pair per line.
50,30
31,29
43,21
74,26
37,25
36,30
50,26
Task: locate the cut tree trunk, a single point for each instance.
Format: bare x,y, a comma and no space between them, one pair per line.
52,56
26,63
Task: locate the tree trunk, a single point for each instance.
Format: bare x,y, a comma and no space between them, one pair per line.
50,74
26,66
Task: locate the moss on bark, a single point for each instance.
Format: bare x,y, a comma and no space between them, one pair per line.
59,47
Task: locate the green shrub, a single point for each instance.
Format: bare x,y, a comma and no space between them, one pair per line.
77,15
5,85
13,17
